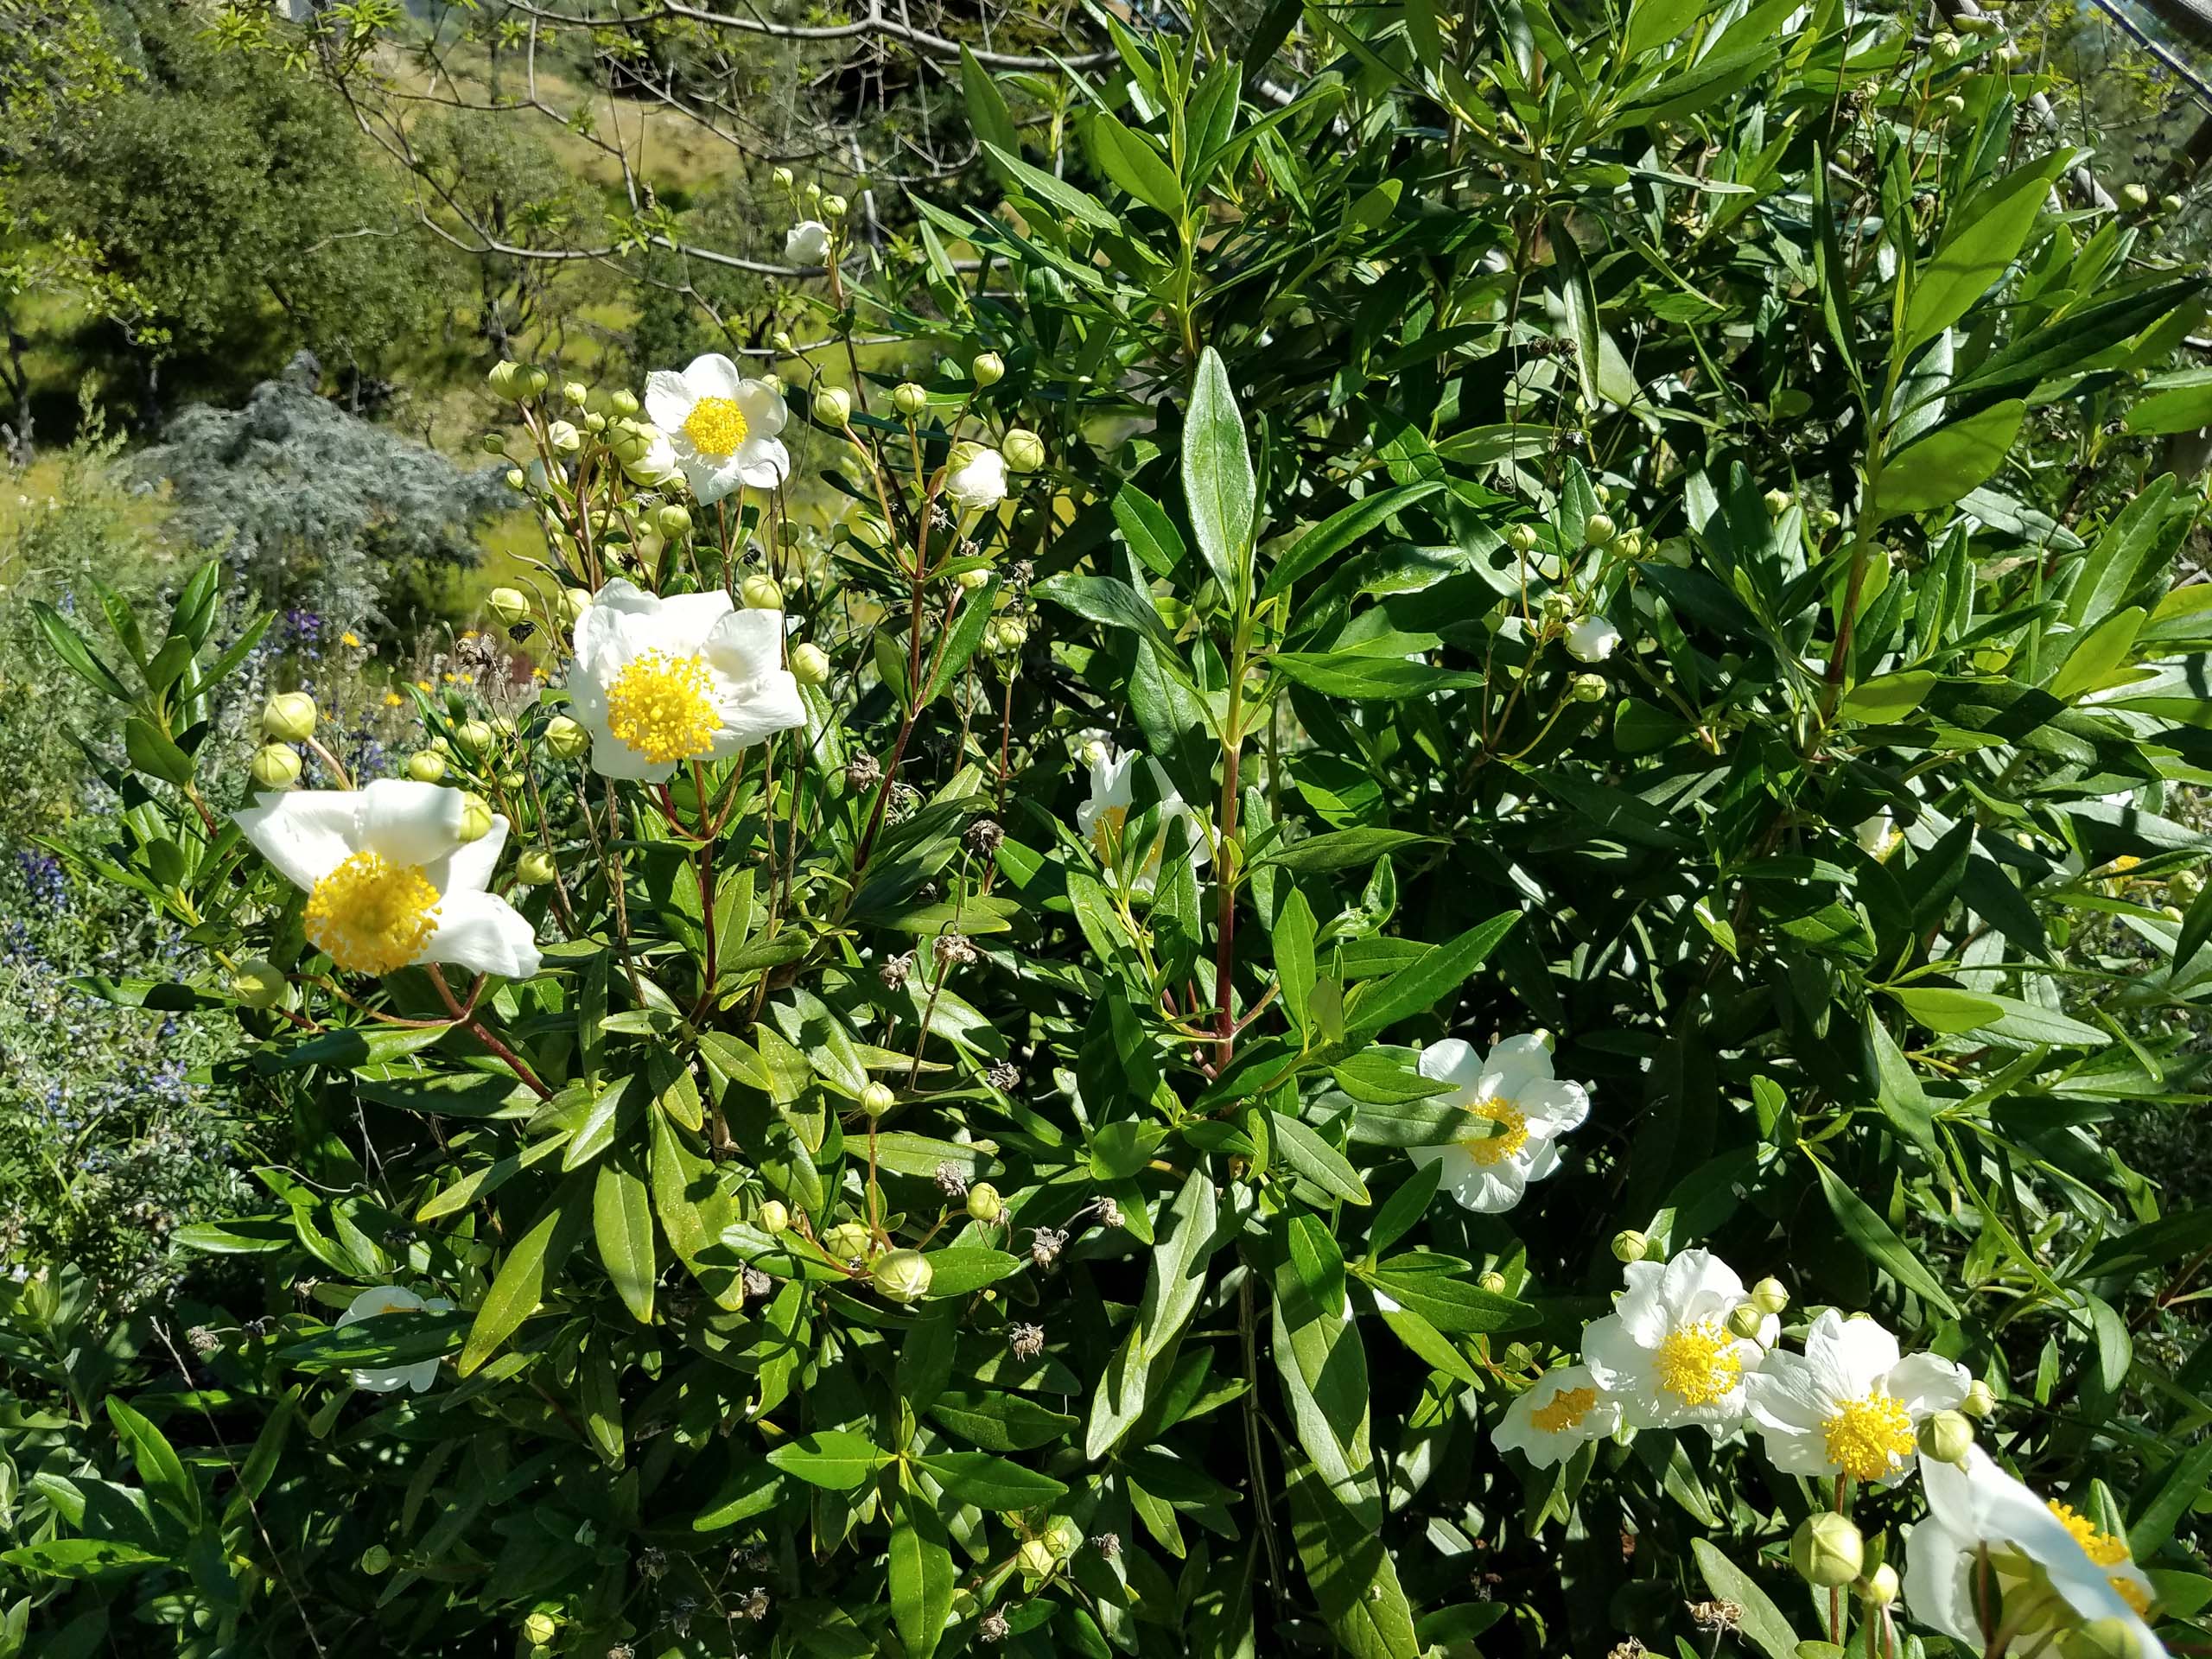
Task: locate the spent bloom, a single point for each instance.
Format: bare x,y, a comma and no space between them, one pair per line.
1849,1404
660,681
375,1304
394,877
1547,1420
1102,819
807,243
974,476
722,426
1514,1110
1666,1348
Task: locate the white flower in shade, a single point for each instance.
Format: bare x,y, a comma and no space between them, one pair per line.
657,682
1103,818
1564,1408
807,243
1849,1404
974,476
1877,836
1666,1348
722,426
1515,1109
1592,639
391,880
375,1304
2055,1569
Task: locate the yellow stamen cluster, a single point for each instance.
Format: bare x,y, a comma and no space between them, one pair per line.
2132,1593
1868,1439
2099,1547
371,916
1565,1410
715,426
1698,1364
662,708
1106,831
1510,1135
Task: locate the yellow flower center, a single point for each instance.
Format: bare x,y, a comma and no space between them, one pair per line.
1698,1364
2132,1593
660,706
2099,1547
371,916
1566,1410
1491,1147
715,426
1106,830
1868,1439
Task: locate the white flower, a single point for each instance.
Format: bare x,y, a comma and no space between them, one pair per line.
658,466
1666,1348
657,682
1564,1408
390,880
1877,836
974,476
1592,639
1113,791
1849,1405
1977,1510
1517,1111
390,1299
723,427
807,243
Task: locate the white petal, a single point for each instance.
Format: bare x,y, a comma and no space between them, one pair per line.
611,758
1698,1285
1488,1189
469,869
1539,1160
1453,1061
713,376
306,834
1615,1359
1925,1384
761,462
711,477
1939,1582
1784,1394
668,400
1557,1106
485,935
1855,1354
1641,1307
764,410
380,1301
768,705
1524,1058
743,645
409,822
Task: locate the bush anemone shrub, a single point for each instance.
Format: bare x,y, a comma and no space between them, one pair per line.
1381,963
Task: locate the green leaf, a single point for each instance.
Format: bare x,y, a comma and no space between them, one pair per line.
1146,528
961,641
537,1256
1951,461
153,753
1421,984
833,1458
991,1483
998,1422
1110,603
1078,205
988,116
1340,529
1338,850
2179,1490
1217,483
1942,1009
921,1578
622,1218
1322,1364
1349,1566
1294,943
2173,402
2100,655
966,1269
80,1558
1131,161
1877,1242
69,645
1976,251
1764,1625
1887,698
159,1470
1306,1153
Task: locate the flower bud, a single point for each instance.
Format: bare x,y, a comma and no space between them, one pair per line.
289,717
1596,529
2112,1637
1777,503
574,601
781,339
623,402
564,438
1944,46
869,532
1981,1402
1522,538
849,1241
518,381
1013,633
540,1628
1492,1281
535,868
510,604
1023,449
426,766
1947,1437
476,817
494,443
1828,1550
1769,1297
833,406
774,1218
834,206
1829,519
1588,688
1063,1537
877,1098
575,393
809,664
902,1276
971,580
813,191
475,736
984,1203
781,178
1628,1245
989,368
567,739
375,1558
672,520
1879,1588
1954,107
516,478
760,593
260,984
909,399
1037,1560
1744,1320
2136,196
276,767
